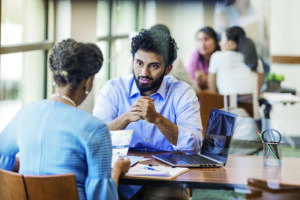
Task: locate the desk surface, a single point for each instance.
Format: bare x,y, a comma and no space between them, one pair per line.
238,169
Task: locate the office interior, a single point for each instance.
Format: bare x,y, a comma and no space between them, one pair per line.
30,28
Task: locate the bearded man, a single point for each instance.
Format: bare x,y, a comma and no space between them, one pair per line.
162,111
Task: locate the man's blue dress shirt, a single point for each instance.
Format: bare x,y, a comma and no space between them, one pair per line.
175,100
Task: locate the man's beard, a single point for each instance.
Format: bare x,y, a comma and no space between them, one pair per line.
145,87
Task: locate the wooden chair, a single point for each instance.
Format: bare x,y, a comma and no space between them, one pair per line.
260,189
12,186
49,187
209,100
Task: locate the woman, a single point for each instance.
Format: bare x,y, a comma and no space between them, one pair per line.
53,136
235,69
197,66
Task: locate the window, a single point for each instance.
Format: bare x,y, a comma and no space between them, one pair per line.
116,21
26,29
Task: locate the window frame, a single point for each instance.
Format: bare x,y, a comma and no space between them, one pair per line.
45,45
110,38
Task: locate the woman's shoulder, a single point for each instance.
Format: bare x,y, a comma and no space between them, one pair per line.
223,56
226,53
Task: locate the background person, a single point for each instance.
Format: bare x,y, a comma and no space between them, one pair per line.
198,63
53,136
236,70
178,70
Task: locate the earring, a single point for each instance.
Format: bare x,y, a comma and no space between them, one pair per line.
86,92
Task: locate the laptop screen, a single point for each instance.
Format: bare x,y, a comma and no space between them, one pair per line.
218,135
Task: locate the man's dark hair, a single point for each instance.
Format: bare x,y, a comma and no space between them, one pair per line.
155,41
71,62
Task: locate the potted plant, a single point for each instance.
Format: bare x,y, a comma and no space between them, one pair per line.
274,82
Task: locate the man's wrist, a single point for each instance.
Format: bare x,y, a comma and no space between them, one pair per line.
126,117
157,119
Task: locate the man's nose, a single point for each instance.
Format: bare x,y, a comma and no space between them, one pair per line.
145,71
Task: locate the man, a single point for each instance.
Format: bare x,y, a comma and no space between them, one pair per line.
163,112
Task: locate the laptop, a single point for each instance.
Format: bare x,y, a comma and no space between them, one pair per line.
214,148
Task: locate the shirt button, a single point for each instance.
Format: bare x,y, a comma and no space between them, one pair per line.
145,140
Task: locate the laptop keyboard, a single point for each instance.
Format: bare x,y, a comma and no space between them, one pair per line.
194,159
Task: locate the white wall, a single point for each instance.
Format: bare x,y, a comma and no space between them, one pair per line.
285,27
285,38
183,20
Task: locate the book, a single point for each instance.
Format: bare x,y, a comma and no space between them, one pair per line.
155,172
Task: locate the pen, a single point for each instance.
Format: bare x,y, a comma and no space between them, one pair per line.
151,168
259,135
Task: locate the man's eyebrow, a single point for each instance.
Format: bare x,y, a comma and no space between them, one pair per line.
138,60
156,63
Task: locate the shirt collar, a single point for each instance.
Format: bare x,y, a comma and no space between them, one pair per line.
162,90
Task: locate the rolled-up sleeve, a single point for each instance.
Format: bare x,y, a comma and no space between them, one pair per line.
106,104
189,123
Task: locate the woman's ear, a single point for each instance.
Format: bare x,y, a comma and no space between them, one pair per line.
89,84
53,80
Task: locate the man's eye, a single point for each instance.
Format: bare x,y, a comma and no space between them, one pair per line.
154,66
139,63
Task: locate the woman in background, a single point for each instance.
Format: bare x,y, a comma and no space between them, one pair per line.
53,136
197,66
236,69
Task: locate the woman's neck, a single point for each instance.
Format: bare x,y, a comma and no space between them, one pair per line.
207,57
65,96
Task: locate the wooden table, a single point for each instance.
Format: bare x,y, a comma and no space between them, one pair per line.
238,169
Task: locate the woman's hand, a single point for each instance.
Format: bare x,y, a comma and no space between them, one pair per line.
202,79
121,166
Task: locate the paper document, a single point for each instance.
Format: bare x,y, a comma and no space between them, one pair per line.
162,172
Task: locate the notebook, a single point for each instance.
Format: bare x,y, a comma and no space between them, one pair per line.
155,172
215,146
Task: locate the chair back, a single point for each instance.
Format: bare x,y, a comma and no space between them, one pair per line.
246,101
49,187
261,189
12,186
209,100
